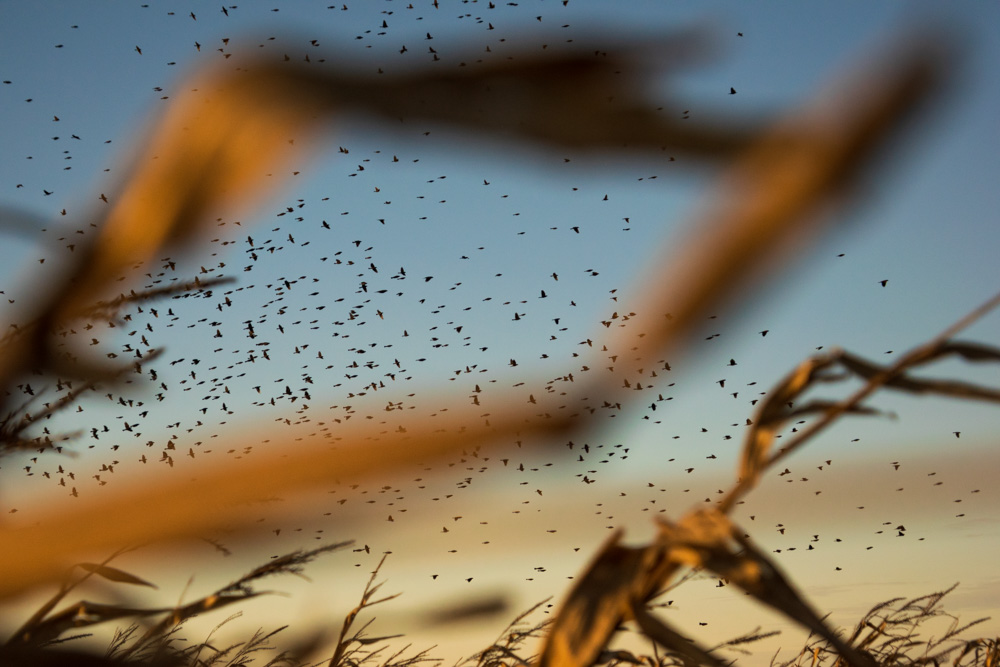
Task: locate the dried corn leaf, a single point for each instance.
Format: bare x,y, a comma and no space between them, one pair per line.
968,350
770,201
773,413
777,409
822,406
708,539
907,382
755,573
598,603
575,98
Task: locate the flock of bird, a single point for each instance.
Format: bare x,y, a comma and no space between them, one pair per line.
318,315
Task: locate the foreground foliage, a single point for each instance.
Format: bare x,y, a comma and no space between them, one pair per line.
778,178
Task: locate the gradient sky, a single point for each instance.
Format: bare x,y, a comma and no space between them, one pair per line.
926,223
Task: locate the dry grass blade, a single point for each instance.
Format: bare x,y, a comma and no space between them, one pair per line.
237,591
19,420
177,615
32,339
257,643
114,574
108,309
889,632
213,150
512,637
26,633
195,650
365,641
497,653
621,580
290,563
784,177
396,659
748,638
342,652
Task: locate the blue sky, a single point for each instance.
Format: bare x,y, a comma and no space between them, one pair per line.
926,223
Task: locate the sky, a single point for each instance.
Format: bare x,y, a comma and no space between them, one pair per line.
479,227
